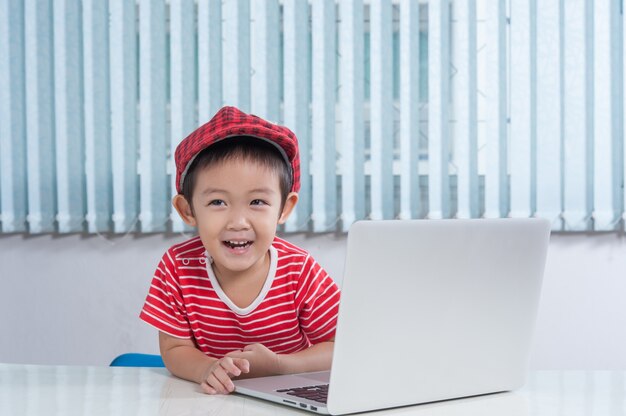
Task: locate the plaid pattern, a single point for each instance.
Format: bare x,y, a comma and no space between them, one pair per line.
230,122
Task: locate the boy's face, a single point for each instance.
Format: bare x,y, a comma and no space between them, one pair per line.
236,208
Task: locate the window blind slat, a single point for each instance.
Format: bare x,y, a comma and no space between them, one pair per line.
297,80
604,190
40,116
438,109
154,195
409,109
13,186
617,122
97,111
265,32
324,97
123,87
209,59
381,115
236,53
549,112
183,87
495,113
577,115
523,111
351,91
465,108
622,154
68,123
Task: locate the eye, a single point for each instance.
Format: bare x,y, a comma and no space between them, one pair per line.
217,203
258,202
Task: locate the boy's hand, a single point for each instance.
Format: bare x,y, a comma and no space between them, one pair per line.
263,361
217,377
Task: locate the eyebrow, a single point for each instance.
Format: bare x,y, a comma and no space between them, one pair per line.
264,190
213,190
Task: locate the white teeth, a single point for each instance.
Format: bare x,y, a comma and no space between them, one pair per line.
238,244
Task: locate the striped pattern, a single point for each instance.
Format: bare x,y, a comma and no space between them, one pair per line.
402,108
298,309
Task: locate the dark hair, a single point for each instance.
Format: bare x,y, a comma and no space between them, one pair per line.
250,149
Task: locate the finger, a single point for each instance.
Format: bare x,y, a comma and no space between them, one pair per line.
207,388
228,364
221,375
247,355
250,347
235,354
242,364
216,385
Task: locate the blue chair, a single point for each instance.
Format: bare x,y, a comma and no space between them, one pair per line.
137,360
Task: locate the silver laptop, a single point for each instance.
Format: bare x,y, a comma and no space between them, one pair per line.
430,310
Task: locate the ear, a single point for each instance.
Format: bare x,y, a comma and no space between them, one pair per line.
184,210
290,203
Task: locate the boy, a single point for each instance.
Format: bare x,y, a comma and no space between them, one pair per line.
237,301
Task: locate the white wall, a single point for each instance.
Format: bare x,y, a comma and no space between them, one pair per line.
75,300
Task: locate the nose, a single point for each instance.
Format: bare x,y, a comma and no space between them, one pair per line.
238,220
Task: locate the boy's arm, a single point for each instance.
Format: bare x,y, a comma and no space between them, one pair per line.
182,357
184,360
316,358
264,362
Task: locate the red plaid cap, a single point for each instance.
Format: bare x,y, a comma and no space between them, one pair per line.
230,122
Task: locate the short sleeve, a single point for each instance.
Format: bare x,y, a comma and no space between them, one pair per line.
163,308
317,300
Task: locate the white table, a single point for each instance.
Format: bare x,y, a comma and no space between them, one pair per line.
66,390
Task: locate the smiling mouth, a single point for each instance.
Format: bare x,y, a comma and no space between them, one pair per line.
237,245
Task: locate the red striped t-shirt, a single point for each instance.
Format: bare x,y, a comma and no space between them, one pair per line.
297,306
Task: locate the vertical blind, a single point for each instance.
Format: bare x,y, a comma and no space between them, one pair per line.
403,109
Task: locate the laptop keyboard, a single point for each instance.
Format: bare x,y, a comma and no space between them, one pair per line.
315,393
